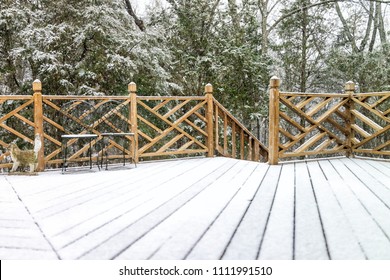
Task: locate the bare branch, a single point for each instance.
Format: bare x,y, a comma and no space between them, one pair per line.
293,12
131,12
351,38
369,26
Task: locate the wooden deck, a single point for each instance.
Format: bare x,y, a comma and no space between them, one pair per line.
206,208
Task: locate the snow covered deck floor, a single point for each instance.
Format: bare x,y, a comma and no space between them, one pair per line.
206,208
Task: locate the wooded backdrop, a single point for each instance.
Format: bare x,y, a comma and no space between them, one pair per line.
96,47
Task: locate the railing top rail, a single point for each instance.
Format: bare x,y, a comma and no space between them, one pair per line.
283,93
373,94
171,97
307,94
114,97
75,97
15,97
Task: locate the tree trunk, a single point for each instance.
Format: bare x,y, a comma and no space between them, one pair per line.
263,6
381,25
137,21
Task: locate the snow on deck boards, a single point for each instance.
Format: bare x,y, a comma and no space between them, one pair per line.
203,208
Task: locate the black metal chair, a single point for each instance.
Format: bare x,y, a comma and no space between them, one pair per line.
78,118
115,125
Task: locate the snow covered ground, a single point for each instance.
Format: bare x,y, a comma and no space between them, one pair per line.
204,208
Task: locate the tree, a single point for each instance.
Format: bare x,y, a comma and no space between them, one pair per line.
357,54
304,43
15,16
79,47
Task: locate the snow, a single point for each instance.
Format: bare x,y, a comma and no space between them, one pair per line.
337,228
278,235
246,240
205,208
360,212
307,219
213,243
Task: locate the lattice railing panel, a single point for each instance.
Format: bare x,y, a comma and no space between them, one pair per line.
16,124
171,126
371,123
83,115
312,124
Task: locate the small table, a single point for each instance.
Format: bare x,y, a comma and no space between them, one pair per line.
117,134
76,136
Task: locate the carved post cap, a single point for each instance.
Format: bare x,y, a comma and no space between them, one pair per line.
349,86
132,87
208,88
274,82
37,85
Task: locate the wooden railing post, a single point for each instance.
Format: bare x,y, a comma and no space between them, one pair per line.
38,122
350,90
209,119
132,89
273,144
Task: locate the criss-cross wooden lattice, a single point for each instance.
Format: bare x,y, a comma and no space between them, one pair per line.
82,115
171,126
16,124
370,114
313,124
164,127
302,124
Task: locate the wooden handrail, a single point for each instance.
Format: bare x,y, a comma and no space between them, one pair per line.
255,149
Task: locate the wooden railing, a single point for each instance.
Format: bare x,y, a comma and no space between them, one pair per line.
81,115
301,125
232,139
312,124
164,127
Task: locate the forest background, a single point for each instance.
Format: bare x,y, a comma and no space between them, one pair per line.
96,47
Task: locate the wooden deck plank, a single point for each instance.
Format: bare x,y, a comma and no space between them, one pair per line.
111,247
88,192
204,208
118,195
344,185
371,170
137,195
380,188
340,238
20,237
15,223
373,204
190,233
70,183
307,219
52,193
187,221
278,241
214,242
167,190
245,242
381,165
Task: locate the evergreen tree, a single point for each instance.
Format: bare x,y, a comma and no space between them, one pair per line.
78,47
305,38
